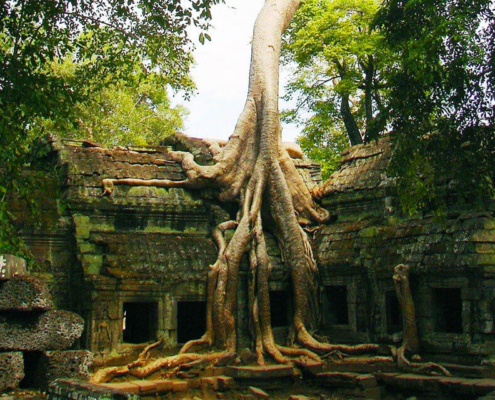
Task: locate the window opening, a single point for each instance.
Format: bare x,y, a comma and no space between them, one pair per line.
337,308
191,320
139,324
447,310
279,308
394,313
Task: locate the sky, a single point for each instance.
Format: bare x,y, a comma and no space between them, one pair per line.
221,73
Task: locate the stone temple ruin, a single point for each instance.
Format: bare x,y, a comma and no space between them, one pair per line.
133,265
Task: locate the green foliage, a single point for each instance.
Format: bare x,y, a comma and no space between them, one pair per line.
340,71
442,98
325,145
132,112
107,38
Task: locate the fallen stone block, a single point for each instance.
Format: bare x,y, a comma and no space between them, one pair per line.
11,370
61,364
11,266
298,397
24,293
52,330
217,383
67,389
258,393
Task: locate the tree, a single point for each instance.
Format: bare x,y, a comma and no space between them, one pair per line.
136,111
340,70
442,98
254,170
107,40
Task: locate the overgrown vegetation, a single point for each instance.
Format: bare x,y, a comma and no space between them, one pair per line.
137,41
340,76
442,98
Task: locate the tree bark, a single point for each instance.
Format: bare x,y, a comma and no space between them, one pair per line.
255,170
351,127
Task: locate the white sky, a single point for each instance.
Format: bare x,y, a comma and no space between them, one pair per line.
221,73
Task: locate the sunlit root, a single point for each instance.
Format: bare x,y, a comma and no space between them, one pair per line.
107,374
410,342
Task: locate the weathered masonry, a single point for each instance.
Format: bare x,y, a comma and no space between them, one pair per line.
134,264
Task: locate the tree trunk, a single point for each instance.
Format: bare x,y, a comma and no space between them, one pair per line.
256,171
349,122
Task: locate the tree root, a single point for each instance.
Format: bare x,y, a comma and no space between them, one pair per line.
107,374
429,368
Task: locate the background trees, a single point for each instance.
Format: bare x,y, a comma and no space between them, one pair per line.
340,74
441,98
108,40
134,111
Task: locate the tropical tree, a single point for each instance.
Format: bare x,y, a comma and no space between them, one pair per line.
135,111
255,171
442,98
340,71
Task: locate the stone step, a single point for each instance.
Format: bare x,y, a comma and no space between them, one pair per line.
148,387
260,372
24,293
427,383
346,380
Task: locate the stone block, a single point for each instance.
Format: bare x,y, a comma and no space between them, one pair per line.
24,293
255,372
217,383
164,385
180,386
145,387
68,389
258,393
62,364
52,330
311,367
11,370
128,387
11,266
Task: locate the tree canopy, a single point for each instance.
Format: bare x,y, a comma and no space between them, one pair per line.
135,111
442,97
340,74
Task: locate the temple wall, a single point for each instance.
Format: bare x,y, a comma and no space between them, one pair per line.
140,257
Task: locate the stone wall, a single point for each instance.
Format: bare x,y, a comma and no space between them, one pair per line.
148,249
452,261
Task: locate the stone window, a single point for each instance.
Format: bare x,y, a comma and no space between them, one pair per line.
447,309
139,323
279,308
393,312
336,307
191,320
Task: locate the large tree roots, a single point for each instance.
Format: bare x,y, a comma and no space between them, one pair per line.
254,171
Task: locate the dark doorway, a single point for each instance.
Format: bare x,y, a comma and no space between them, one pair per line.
337,308
279,308
191,320
394,313
140,322
447,310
